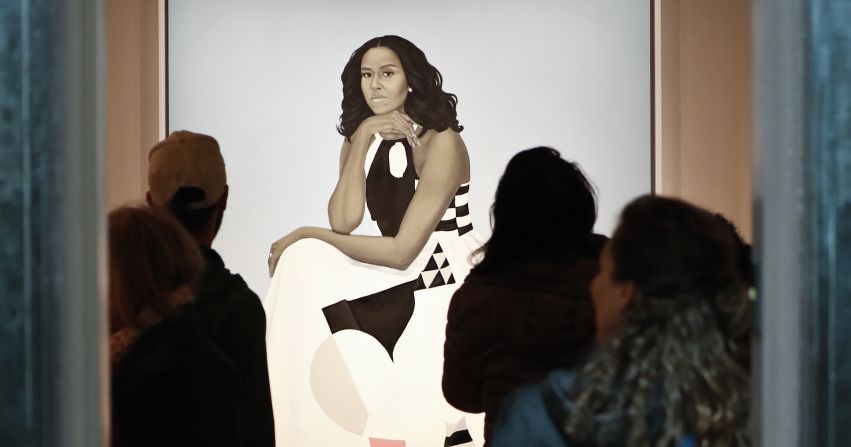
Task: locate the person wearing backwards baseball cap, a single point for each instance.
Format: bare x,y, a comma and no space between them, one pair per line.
186,177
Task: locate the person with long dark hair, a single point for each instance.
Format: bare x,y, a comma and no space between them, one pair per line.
670,311
525,309
171,385
355,321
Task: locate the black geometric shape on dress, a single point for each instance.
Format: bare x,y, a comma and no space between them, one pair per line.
383,315
446,225
437,271
438,281
387,196
460,211
432,264
420,285
460,437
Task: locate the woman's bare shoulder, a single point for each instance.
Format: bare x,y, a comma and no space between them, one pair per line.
445,151
447,143
445,138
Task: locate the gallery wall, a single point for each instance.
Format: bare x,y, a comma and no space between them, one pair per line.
704,131
135,94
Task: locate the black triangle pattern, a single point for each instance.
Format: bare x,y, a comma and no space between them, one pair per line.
438,281
420,285
431,266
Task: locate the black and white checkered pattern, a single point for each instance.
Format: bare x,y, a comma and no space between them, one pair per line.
457,215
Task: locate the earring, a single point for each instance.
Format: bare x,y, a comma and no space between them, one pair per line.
410,90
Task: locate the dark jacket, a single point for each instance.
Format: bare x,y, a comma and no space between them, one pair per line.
174,387
515,326
234,317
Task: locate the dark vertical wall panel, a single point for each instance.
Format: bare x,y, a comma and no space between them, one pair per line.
829,86
13,395
29,95
803,212
51,312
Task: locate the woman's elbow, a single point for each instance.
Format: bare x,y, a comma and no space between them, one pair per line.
403,258
401,264
341,224
341,227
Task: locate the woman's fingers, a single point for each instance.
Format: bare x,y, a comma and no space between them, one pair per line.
408,135
403,121
394,133
409,123
394,130
399,125
274,255
406,126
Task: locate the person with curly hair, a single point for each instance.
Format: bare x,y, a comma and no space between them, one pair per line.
356,320
670,310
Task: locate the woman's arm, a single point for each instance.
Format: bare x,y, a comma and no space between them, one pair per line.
446,167
444,170
345,208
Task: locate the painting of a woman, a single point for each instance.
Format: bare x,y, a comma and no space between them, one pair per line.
356,322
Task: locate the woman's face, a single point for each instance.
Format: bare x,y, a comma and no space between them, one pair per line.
609,297
383,81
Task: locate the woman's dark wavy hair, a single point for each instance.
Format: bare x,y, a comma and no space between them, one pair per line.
678,349
428,105
544,207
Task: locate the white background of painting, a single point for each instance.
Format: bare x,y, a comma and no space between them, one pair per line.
263,77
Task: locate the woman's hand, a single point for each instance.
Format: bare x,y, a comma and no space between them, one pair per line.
394,125
281,244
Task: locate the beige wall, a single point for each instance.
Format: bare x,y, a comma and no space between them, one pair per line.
133,121
703,115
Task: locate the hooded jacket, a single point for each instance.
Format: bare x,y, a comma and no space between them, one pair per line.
174,387
233,316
